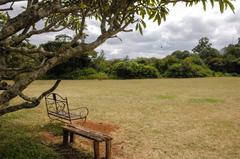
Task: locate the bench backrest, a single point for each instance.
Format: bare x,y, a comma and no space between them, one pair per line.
56,104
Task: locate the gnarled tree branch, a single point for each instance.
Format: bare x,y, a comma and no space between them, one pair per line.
32,102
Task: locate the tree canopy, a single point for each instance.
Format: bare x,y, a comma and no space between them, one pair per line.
203,43
113,16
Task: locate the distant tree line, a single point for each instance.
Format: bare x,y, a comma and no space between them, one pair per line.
202,61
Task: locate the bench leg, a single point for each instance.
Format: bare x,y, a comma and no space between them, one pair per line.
108,149
96,150
71,137
65,137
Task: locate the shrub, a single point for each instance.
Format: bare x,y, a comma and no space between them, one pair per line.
98,75
218,74
162,65
209,53
82,73
216,64
146,71
188,71
131,70
87,73
194,59
124,70
181,54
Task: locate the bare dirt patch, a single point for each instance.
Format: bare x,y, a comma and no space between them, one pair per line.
106,128
48,138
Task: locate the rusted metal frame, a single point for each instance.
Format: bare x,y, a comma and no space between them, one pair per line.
52,115
68,111
55,114
62,117
65,120
54,98
85,117
47,107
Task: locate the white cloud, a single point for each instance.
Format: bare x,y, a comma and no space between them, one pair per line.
182,30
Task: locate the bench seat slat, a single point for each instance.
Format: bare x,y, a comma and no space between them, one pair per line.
87,133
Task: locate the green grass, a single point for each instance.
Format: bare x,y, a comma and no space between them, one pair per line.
18,142
205,100
53,128
160,118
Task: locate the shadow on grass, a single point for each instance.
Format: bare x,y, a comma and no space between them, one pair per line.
18,141
68,152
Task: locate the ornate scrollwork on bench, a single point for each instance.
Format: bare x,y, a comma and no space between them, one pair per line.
58,109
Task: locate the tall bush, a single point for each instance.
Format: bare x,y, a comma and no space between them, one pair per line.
186,70
131,70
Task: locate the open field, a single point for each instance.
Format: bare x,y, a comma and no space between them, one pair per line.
160,118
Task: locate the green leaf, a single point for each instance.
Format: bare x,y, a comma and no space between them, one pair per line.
142,13
174,3
83,6
204,5
212,3
230,5
143,24
3,17
158,18
136,27
152,15
140,29
221,5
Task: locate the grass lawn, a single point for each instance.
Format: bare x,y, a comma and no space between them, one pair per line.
159,118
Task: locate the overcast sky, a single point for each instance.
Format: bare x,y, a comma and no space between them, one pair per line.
181,31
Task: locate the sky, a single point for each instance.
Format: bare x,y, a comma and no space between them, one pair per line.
181,31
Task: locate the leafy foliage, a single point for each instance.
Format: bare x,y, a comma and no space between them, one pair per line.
87,73
203,43
128,70
181,64
208,53
188,71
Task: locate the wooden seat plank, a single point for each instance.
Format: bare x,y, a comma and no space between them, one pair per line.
87,133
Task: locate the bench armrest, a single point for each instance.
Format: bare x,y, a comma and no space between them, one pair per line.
81,111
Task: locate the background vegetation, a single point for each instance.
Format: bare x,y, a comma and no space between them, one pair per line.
202,61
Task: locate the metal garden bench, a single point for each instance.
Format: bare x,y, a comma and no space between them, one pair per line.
58,109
